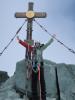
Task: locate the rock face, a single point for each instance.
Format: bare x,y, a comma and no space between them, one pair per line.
50,79
59,78
66,78
8,91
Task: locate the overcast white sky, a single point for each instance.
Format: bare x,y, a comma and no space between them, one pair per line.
60,20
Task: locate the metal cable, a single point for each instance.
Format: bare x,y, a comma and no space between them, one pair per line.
13,38
71,50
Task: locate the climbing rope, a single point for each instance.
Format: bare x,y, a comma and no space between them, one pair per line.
71,50
13,38
39,81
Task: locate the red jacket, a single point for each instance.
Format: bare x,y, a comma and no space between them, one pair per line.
26,45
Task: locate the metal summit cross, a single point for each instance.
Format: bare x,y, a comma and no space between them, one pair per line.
30,15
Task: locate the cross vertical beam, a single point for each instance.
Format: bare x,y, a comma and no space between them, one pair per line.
29,23
30,6
29,29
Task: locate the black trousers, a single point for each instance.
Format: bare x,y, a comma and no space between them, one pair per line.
34,85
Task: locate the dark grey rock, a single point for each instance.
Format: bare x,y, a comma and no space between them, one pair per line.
66,78
3,77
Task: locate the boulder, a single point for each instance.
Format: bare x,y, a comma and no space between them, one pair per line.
3,77
50,78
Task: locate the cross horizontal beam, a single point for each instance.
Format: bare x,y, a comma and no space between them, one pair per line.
36,15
